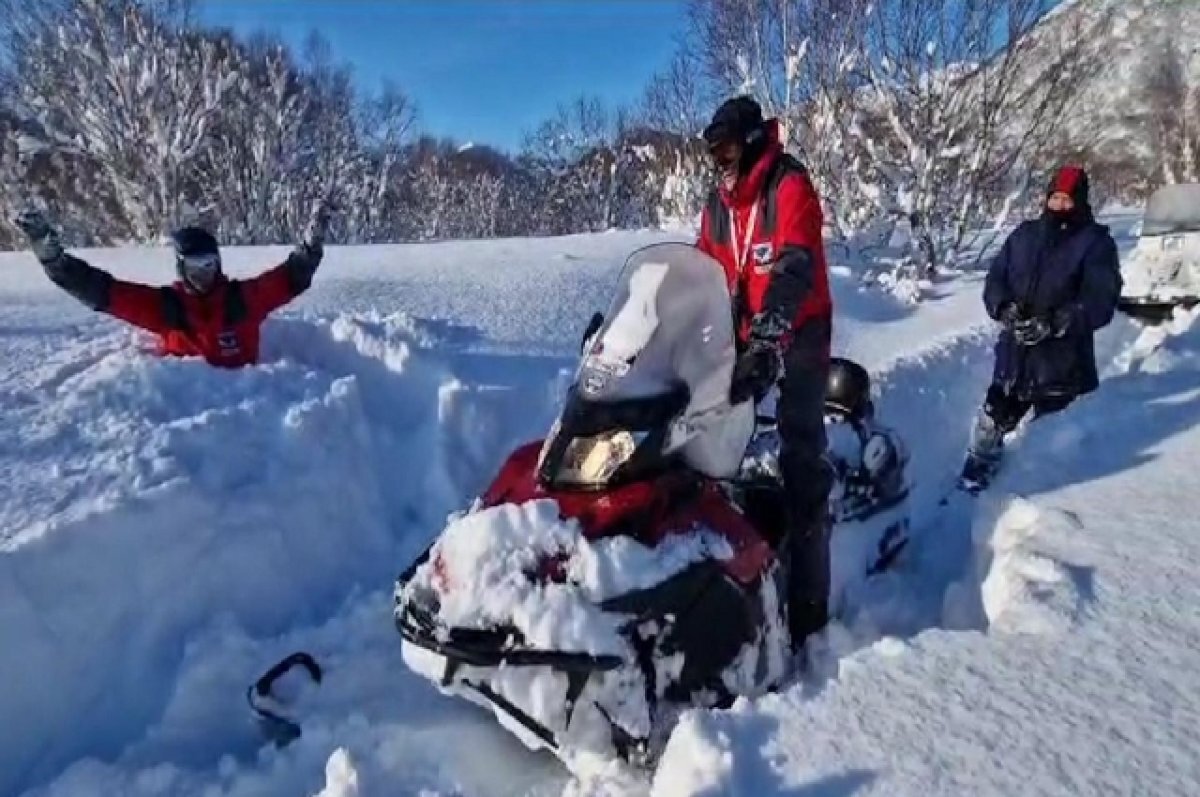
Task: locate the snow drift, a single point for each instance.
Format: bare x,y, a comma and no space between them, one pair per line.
156,495
169,531
263,509
1061,660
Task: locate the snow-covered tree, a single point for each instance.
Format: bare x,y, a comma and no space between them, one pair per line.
1169,113
919,114
677,100
677,104
929,116
386,124
251,164
574,152
126,85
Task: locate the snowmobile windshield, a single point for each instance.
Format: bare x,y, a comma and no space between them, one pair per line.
1173,209
666,342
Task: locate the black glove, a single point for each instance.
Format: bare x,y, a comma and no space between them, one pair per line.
593,327
43,238
1009,315
859,483
318,224
1061,321
1032,331
755,372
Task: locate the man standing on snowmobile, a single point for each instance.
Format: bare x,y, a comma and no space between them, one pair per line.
1055,282
869,458
204,313
762,223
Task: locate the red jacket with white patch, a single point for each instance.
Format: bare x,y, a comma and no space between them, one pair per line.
768,230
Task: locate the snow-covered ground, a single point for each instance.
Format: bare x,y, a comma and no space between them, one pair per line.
167,531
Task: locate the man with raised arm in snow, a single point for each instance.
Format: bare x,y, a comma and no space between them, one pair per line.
204,313
762,223
1055,282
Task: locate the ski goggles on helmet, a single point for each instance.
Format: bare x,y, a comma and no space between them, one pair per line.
199,270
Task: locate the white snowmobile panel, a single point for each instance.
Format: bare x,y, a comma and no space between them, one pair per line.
1165,264
1173,209
670,323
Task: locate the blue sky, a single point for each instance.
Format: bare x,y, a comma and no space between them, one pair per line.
486,70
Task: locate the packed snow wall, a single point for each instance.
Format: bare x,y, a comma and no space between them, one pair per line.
146,499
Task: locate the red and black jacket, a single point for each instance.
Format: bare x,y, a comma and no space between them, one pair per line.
222,325
767,235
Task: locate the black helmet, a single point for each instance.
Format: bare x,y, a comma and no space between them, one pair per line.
738,121
197,258
848,389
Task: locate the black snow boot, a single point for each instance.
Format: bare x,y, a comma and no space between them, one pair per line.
978,472
808,582
983,456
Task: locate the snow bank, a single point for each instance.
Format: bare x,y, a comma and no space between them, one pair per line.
1064,660
1018,583
394,729
320,473
146,498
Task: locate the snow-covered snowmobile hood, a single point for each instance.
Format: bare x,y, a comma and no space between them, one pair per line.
670,327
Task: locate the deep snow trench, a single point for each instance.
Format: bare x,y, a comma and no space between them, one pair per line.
160,501
168,531
206,523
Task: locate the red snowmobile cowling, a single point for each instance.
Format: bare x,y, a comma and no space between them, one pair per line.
646,447
676,502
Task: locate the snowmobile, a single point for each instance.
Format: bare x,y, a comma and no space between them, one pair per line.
1163,271
627,566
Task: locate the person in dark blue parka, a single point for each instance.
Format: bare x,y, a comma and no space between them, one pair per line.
1055,282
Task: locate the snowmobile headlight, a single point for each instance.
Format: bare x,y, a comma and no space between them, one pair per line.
591,461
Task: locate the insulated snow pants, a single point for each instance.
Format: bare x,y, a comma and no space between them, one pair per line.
1006,410
807,476
1002,411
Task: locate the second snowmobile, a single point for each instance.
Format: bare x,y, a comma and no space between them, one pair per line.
1163,271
